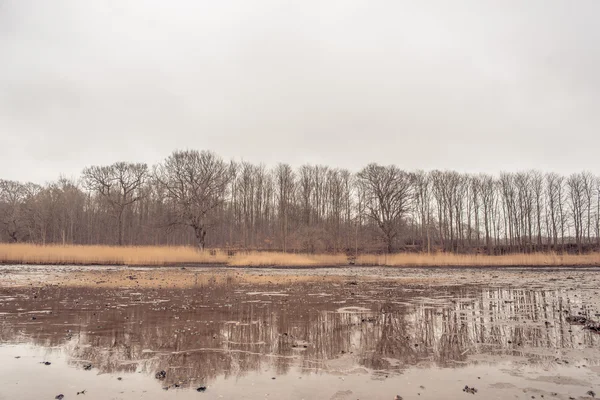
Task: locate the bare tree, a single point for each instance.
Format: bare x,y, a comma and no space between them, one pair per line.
422,197
587,179
488,199
537,182
388,198
576,186
12,213
196,184
118,184
285,184
597,190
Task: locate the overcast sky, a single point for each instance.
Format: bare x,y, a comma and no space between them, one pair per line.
466,85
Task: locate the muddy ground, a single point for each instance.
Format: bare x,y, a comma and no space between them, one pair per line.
325,333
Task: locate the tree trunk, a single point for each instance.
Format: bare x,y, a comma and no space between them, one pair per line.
200,233
121,227
389,238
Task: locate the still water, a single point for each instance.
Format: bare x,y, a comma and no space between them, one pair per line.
319,339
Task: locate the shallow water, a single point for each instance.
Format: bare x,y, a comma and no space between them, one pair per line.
350,338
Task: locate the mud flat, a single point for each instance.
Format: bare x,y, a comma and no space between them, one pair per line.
327,333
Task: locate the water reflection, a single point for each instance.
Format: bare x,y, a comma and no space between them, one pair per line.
230,330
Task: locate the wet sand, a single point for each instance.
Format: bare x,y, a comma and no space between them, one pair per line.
327,333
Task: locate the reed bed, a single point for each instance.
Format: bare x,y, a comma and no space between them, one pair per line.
287,259
449,259
109,255
170,255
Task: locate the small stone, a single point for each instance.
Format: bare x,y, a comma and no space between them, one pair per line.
201,389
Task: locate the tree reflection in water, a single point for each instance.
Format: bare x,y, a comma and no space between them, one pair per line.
226,330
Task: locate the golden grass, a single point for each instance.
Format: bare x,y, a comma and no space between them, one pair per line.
449,259
110,255
163,255
287,259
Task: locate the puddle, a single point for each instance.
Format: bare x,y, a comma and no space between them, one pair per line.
345,341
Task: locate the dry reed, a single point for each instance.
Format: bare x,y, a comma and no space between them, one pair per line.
110,255
163,255
287,259
449,259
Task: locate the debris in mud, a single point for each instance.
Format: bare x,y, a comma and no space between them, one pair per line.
468,389
593,326
577,319
398,397
87,367
46,362
82,392
591,393
59,396
160,375
582,320
201,389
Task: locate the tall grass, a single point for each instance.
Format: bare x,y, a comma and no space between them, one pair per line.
110,255
287,259
449,259
163,255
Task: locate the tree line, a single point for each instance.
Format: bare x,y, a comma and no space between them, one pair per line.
196,197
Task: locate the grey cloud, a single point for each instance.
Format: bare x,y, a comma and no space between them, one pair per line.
468,85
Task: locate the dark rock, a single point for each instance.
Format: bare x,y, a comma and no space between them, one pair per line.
59,396
160,375
201,389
